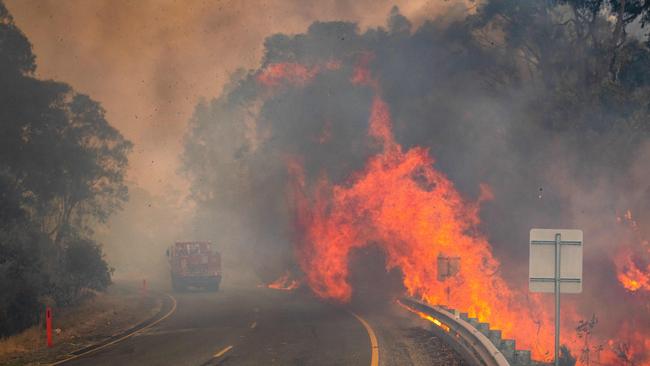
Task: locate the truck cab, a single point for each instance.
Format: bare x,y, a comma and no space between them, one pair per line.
194,264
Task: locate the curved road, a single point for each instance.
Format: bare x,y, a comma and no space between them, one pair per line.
259,326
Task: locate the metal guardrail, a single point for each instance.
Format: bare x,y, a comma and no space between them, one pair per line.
460,334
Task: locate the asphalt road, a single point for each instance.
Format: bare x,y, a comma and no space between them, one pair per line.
260,326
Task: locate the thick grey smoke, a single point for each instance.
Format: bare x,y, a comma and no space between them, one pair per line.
559,145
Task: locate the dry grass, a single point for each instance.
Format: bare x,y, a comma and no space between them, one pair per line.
98,317
23,342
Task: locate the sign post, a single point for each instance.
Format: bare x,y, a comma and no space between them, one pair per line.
447,267
558,246
555,265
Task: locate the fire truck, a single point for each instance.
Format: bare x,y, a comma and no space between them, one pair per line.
194,264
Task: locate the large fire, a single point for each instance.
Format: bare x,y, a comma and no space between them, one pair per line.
402,204
414,213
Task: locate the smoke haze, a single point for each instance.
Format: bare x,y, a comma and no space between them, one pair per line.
265,85
150,62
550,159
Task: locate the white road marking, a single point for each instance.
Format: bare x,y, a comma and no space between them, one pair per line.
141,330
222,352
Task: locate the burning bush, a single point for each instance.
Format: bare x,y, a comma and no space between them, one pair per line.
527,128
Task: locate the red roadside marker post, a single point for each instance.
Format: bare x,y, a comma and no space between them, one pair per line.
48,326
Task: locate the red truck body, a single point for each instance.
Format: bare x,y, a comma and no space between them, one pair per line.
194,264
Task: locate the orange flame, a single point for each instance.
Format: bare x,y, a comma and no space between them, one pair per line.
284,283
425,316
276,74
629,348
413,212
630,275
630,271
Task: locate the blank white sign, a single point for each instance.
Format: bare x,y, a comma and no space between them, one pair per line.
541,276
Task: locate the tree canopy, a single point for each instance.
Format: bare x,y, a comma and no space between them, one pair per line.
548,102
62,169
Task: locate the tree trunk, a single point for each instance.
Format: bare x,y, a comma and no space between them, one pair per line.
617,40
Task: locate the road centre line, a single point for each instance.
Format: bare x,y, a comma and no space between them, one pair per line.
374,347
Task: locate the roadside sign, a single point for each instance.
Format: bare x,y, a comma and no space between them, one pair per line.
542,260
555,265
447,267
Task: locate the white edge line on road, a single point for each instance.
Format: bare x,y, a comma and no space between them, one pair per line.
222,352
121,338
253,325
374,347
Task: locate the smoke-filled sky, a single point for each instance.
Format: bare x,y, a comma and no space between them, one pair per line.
552,153
149,62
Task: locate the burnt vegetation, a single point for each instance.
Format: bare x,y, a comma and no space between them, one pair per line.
61,172
548,102
499,96
545,101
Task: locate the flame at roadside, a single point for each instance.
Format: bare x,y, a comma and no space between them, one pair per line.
425,316
633,262
630,275
413,212
284,282
400,203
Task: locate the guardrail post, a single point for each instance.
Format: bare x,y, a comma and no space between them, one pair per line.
495,337
483,328
508,349
522,358
480,347
473,322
